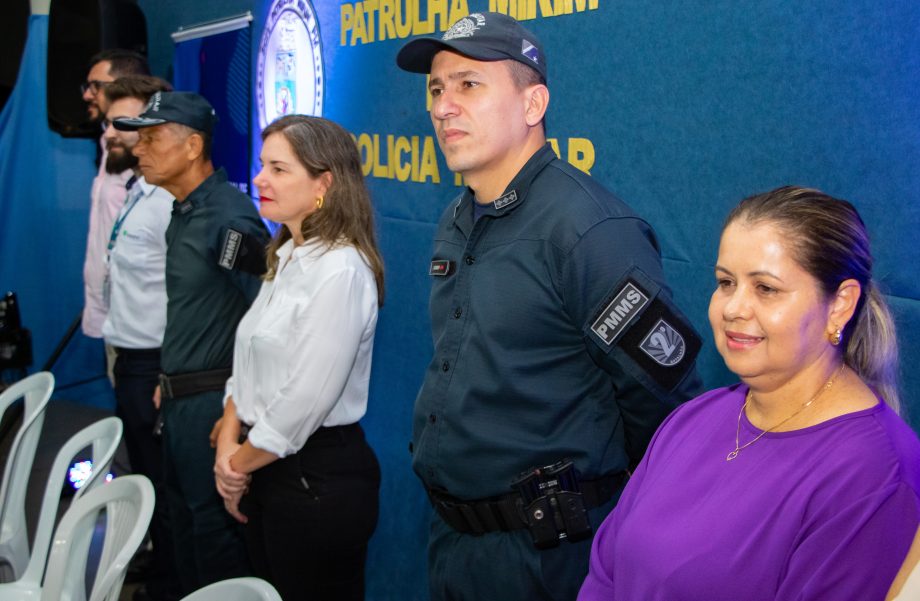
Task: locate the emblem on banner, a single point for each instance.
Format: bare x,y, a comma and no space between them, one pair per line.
289,76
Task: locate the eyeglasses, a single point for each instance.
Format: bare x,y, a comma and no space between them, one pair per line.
95,85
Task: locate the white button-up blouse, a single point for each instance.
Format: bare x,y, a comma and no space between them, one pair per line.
302,357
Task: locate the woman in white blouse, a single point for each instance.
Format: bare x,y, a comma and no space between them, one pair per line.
304,480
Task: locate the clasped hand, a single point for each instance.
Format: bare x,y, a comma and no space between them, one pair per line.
231,485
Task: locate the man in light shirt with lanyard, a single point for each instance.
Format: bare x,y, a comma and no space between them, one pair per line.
108,193
134,293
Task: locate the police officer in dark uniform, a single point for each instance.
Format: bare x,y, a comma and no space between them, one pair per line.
557,348
213,262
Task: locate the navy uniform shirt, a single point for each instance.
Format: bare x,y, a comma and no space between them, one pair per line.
213,260
554,336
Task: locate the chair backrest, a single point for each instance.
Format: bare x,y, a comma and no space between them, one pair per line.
236,589
128,503
102,438
35,391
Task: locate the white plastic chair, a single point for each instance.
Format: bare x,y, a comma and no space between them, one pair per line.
236,589
128,503
102,438
14,539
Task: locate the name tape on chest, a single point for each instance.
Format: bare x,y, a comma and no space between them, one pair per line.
230,249
618,314
440,267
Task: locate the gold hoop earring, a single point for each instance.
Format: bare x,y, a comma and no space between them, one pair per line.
319,202
836,336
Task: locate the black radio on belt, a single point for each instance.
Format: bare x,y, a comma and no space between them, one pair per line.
553,505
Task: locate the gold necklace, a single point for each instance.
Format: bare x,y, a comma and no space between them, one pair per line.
747,399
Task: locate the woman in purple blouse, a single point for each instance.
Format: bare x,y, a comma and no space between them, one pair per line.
801,482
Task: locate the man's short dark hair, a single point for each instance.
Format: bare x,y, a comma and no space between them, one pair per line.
122,62
524,76
141,87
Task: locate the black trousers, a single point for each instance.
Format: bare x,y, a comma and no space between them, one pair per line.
208,543
311,515
136,372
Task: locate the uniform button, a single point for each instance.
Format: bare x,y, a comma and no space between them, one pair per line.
470,259
445,366
432,418
458,312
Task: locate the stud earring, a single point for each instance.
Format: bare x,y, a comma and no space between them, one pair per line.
835,337
319,202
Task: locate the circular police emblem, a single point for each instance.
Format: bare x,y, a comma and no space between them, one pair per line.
289,76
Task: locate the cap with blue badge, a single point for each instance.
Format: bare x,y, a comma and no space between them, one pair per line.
186,108
483,36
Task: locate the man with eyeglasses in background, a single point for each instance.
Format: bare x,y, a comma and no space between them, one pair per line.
108,193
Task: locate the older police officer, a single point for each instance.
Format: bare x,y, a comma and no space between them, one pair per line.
213,262
557,349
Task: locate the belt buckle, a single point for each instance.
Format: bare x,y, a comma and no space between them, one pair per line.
165,387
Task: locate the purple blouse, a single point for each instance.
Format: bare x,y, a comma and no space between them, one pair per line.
826,512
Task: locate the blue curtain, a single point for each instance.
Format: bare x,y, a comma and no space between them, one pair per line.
217,67
44,213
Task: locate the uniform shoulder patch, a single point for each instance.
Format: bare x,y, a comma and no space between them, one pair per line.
664,344
616,316
230,249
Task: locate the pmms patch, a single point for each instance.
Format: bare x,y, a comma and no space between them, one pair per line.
618,314
230,249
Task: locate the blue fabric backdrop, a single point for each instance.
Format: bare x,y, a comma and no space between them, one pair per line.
44,214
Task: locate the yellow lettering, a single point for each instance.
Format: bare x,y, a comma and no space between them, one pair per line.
360,28
458,9
366,151
458,179
502,6
420,27
546,8
387,28
370,21
555,144
379,170
370,7
405,16
438,8
429,166
401,168
580,5
347,15
414,156
581,154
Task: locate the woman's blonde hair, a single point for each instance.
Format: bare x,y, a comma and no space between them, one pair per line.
830,242
322,146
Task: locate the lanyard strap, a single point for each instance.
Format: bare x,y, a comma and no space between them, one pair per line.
116,227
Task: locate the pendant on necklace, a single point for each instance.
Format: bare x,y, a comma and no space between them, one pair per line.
731,455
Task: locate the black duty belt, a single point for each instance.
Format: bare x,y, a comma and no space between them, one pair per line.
506,512
182,385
